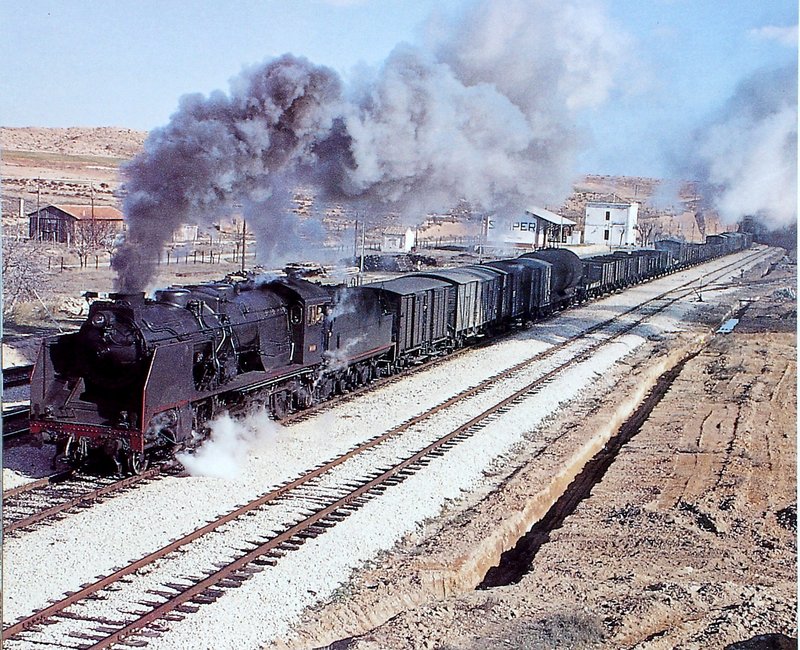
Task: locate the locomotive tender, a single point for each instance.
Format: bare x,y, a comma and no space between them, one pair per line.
145,376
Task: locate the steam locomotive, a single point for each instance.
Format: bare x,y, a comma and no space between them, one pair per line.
144,377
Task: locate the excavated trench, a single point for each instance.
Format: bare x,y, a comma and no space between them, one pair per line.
516,562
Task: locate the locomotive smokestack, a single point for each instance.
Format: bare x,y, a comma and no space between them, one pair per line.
133,297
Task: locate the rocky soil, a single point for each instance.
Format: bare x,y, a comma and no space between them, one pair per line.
688,541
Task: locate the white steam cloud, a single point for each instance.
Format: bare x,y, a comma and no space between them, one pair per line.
748,157
484,111
224,453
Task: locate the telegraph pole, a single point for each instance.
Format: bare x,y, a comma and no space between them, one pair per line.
244,241
363,242
94,231
38,233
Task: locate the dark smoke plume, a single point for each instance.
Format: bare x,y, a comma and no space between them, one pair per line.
224,149
485,112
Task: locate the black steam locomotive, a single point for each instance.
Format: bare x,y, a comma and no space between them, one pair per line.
145,376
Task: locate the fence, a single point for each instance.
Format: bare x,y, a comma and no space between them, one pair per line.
62,263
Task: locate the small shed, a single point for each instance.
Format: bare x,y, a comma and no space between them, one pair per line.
71,224
398,240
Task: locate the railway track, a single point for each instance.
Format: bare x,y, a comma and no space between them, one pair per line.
49,498
15,423
127,604
54,496
17,376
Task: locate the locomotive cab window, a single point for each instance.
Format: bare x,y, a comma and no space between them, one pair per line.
296,314
316,314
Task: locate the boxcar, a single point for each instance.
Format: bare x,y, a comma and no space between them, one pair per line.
420,309
472,303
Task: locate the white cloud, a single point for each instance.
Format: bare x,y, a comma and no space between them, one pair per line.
783,35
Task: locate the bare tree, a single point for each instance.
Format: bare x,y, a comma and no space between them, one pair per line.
93,236
25,276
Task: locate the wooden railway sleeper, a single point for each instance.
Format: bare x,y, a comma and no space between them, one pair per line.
186,608
133,643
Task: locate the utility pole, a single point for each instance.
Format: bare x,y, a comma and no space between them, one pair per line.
94,230
244,241
363,240
38,234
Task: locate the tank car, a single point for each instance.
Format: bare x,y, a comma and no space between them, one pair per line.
566,274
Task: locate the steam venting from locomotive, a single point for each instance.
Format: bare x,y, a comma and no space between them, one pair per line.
225,452
748,155
482,111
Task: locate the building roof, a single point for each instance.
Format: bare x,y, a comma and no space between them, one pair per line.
551,217
86,213
608,204
397,230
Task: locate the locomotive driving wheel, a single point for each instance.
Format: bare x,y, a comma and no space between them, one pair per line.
279,404
136,462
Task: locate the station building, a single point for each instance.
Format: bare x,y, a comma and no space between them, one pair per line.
538,228
611,224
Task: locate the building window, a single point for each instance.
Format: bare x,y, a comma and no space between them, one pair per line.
608,215
607,235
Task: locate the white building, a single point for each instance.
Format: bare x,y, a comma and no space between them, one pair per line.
612,224
398,240
186,232
538,228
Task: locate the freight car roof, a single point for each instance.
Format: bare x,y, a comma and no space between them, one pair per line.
485,271
455,276
407,285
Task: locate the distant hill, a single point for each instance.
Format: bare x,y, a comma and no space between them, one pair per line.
74,141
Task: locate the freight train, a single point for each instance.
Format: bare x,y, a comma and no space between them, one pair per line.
143,377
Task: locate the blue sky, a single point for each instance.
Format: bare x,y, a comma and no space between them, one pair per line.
124,63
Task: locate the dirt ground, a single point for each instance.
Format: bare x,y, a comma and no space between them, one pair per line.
688,541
